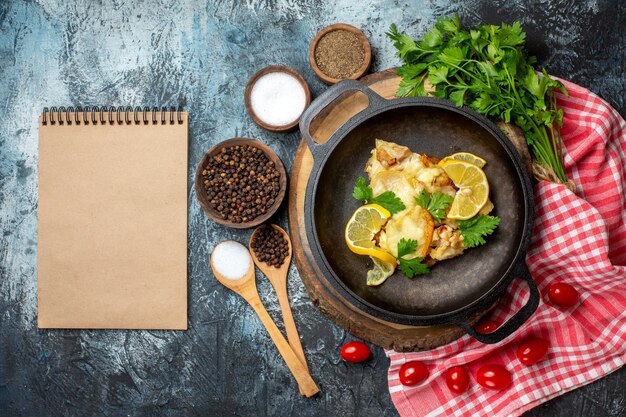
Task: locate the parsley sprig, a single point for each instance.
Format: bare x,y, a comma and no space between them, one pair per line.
488,69
410,267
435,203
389,200
475,228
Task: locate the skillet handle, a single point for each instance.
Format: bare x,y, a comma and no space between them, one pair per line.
323,101
514,323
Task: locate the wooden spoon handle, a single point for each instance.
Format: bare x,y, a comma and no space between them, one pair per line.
290,325
299,371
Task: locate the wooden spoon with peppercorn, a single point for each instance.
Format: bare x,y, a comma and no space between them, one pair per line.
270,248
244,284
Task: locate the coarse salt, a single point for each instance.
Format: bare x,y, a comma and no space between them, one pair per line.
278,98
231,259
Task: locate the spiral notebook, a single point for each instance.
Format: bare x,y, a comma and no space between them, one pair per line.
112,240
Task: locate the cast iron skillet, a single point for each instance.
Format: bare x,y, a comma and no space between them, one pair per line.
456,288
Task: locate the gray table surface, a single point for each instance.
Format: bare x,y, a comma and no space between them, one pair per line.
200,55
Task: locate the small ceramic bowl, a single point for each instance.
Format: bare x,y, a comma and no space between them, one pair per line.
367,60
248,92
203,199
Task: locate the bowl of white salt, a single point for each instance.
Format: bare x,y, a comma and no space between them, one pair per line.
276,96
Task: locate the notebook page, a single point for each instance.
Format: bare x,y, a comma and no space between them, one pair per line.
112,244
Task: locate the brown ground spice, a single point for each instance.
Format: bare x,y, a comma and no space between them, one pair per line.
339,54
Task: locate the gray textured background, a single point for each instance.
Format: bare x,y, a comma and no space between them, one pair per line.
200,55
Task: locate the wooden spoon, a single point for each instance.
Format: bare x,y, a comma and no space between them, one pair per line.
278,279
246,288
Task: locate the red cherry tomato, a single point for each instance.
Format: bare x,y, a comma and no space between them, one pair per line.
563,295
532,350
413,372
355,352
494,377
487,326
457,379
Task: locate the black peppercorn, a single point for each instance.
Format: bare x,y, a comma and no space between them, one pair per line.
270,246
241,180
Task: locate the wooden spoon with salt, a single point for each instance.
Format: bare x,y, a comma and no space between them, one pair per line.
278,279
244,284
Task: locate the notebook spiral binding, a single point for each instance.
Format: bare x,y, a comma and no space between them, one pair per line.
120,115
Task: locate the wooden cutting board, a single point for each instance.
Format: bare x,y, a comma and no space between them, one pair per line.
379,332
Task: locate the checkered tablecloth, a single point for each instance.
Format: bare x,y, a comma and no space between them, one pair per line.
578,238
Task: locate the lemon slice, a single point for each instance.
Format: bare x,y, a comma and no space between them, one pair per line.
473,191
381,271
362,227
465,156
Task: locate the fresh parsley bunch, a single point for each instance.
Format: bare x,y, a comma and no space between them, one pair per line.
488,69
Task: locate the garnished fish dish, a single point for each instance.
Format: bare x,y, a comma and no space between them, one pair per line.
418,210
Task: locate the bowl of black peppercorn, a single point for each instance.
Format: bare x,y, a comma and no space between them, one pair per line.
240,183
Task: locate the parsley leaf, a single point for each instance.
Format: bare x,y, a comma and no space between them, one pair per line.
423,199
458,96
388,199
451,25
512,35
406,247
436,204
413,267
433,37
410,267
412,87
439,202
475,228
361,191
437,75
402,41
452,56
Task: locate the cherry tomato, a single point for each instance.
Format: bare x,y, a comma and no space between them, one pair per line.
487,326
494,377
532,350
355,352
457,379
413,372
563,295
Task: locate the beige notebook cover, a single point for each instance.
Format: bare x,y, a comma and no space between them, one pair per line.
112,245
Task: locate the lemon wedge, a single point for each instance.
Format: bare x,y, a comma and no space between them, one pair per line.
364,224
381,271
473,191
464,156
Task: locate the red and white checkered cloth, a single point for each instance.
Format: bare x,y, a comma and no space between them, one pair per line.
577,238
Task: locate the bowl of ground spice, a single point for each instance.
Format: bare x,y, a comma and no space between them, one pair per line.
340,52
240,183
